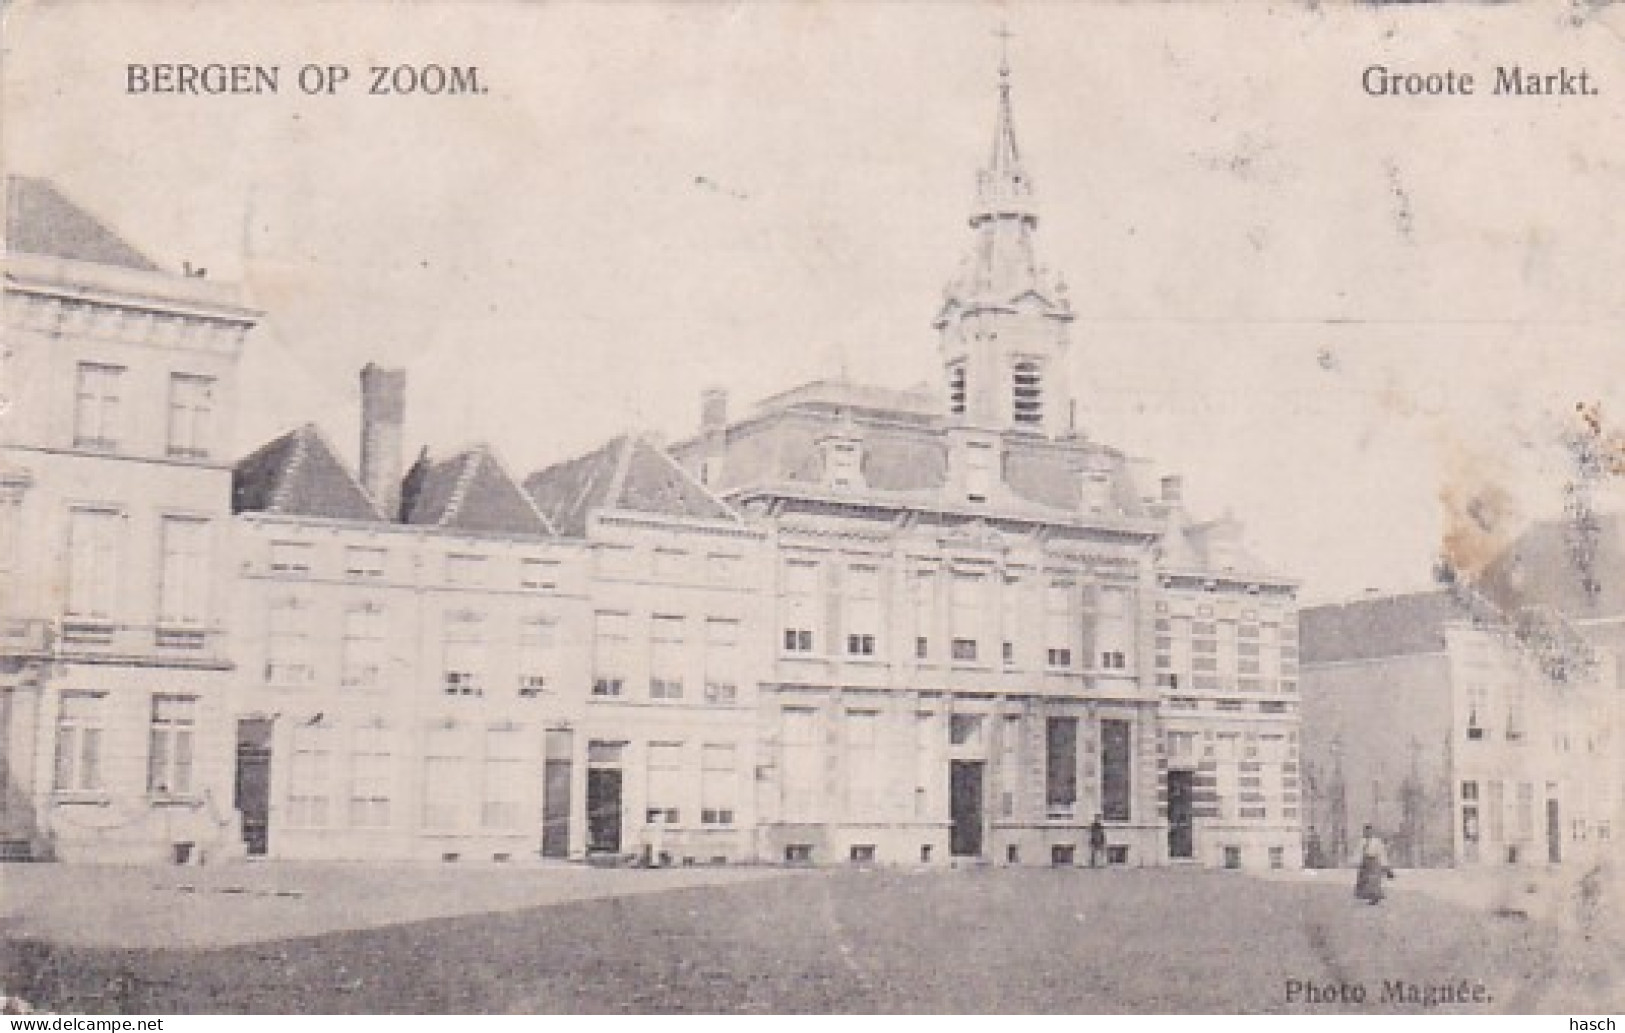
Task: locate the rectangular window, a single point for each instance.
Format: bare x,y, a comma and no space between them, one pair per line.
862,610
93,554
843,466
1010,624
965,729
967,614
803,770
183,588
719,783
465,569
1061,764
287,642
291,557
371,777
463,649
1116,764
537,639
612,653
363,646
364,561
616,561
97,420
722,568
802,583
721,661
308,775
923,597
1009,765
978,472
191,415
1495,811
1115,628
670,564
502,804
667,657
863,781
170,742
448,796
665,769
538,575
79,742
1526,812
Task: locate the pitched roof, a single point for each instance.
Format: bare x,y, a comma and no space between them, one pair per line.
628,473
41,221
471,491
299,474
1385,626
1578,569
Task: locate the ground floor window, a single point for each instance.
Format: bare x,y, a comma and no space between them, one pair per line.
1116,766
79,742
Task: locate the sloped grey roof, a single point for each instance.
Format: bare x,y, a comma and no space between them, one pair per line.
471,491
299,474
41,221
1385,626
628,473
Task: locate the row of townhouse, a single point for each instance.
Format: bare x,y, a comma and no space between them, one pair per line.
855,624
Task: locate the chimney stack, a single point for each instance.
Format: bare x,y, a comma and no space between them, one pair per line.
713,410
383,411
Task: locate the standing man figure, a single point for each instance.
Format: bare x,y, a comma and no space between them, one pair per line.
1097,843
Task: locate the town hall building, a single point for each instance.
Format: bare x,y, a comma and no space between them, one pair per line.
853,624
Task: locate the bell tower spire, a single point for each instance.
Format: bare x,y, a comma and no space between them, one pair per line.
1003,323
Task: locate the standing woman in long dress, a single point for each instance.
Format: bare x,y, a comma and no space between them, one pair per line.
1373,868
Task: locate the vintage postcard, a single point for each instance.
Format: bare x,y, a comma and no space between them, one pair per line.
812,507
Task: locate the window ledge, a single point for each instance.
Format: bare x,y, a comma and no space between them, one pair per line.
173,800
82,798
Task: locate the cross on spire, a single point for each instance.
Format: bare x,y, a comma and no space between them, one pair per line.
1004,34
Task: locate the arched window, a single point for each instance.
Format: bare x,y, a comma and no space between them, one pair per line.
956,389
1027,393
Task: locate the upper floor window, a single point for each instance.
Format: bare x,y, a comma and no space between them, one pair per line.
99,392
93,552
465,569
538,574
612,644
191,414
364,561
722,568
1027,401
291,557
183,591
863,610
464,652
956,388
843,459
670,563
667,657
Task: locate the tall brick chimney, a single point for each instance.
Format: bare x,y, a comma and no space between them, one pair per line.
713,433
383,411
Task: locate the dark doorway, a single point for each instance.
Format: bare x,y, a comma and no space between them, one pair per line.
1181,842
965,807
252,793
1554,833
603,810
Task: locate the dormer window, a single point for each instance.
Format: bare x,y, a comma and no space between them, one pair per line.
1027,394
843,465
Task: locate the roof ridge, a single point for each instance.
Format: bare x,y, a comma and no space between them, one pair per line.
623,464
296,459
470,458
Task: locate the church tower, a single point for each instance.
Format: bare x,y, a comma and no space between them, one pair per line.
1003,322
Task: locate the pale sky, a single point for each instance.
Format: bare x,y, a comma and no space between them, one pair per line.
1329,311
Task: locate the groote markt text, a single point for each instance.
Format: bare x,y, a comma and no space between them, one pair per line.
1505,81
381,80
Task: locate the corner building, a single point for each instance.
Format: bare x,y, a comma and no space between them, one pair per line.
986,632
